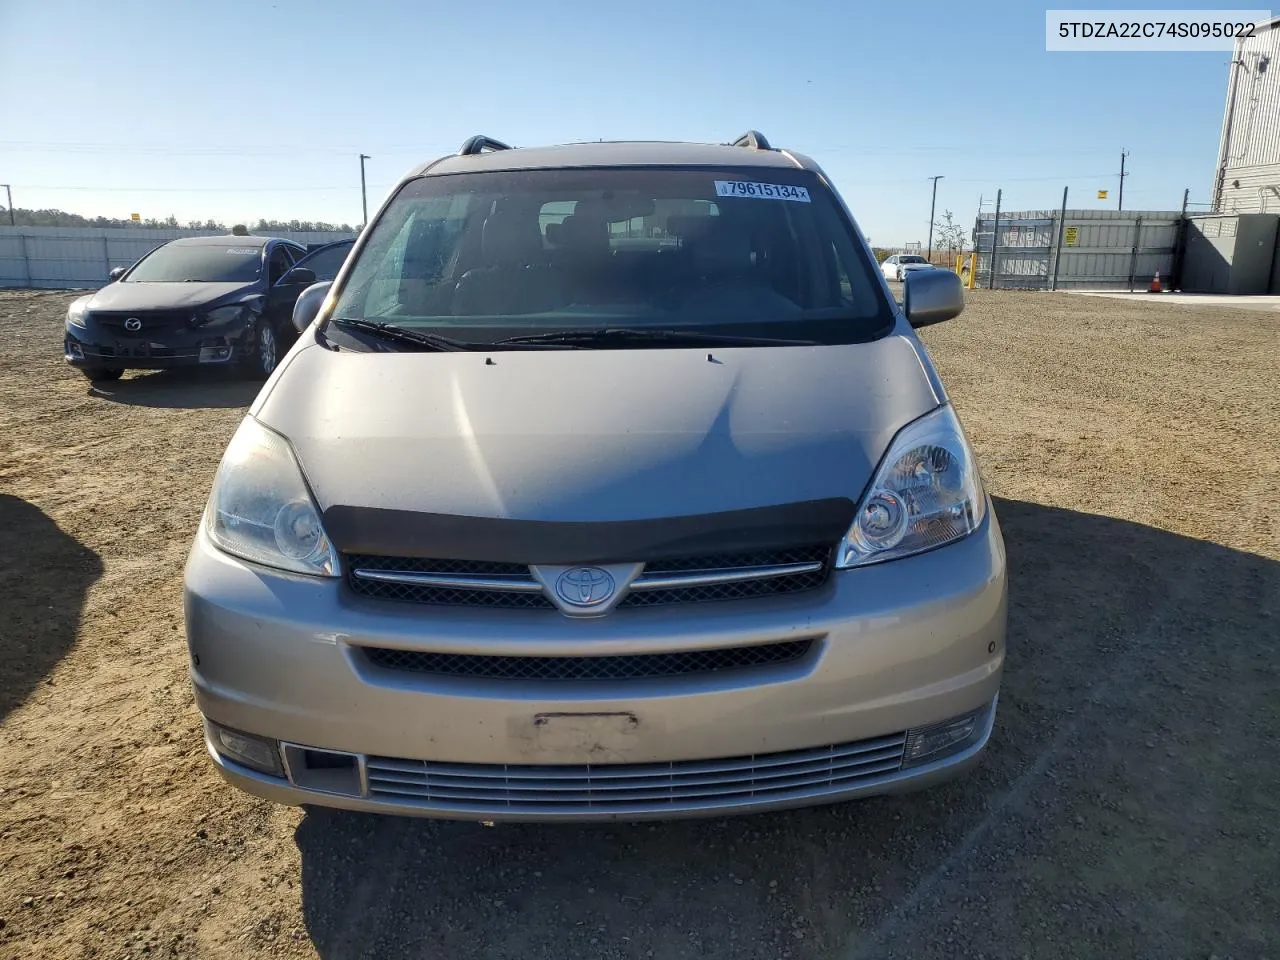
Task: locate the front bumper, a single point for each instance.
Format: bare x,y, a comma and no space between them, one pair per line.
897,647
157,351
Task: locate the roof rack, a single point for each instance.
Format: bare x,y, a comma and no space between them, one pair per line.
480,143
752,140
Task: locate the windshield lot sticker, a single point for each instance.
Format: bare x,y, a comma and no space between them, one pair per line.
242,251
761,191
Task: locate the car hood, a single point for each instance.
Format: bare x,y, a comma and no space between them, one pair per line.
165,296
594,435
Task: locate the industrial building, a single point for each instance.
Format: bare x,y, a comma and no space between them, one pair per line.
1247,179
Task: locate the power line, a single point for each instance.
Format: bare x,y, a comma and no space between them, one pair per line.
291,189
73,146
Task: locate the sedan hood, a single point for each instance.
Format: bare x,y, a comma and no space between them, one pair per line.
164,296
594,435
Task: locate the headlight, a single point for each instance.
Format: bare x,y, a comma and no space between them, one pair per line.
261,509
926,493
78,312
221,314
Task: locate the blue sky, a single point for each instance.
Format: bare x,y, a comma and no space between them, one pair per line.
238,110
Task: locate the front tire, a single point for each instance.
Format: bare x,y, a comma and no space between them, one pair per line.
102,374
266,351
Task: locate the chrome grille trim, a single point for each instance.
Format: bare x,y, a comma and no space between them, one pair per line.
457,582
710,578
650,786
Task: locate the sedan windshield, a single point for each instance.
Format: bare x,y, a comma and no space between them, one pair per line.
486,257
912,260
202,263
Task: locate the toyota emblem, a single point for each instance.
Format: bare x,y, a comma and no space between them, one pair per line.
585,586
133,324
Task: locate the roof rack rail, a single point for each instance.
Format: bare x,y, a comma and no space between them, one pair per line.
480,143
752,140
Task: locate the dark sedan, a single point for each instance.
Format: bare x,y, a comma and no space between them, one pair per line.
196,301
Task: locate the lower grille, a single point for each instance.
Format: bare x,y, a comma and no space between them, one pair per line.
635,787
642,666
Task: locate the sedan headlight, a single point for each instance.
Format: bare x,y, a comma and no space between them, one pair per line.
261,509
231,311
926,493
78,312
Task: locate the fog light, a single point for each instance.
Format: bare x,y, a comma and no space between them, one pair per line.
938,740
256,753
328,771
74,351
215,354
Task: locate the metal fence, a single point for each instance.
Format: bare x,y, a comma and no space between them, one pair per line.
1087,249
70,257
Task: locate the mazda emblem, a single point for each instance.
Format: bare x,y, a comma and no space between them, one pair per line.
133,324
585,586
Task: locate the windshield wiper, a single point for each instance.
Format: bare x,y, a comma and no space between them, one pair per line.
625,335
391,333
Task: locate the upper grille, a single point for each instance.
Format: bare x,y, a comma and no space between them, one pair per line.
635,788
734,589
643,666
152,320
516,573
726,576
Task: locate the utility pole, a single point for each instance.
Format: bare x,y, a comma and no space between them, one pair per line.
9,193
932,207
364,194
1123,155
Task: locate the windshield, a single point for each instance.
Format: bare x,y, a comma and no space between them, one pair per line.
765,253
204,263
912,260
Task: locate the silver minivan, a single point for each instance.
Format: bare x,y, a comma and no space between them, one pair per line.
604,481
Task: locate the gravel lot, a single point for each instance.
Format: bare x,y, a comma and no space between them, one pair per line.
1128,806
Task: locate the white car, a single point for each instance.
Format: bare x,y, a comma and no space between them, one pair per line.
900,264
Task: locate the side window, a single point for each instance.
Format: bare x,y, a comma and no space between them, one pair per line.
278,264
326,263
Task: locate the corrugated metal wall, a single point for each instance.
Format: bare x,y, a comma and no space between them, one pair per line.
1247,179
1101,249
69,257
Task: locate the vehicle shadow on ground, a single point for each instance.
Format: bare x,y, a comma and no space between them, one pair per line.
196,389
44,577
838,880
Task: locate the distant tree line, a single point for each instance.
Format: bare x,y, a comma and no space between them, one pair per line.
26,217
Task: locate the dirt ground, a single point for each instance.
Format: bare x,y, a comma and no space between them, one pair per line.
1129,805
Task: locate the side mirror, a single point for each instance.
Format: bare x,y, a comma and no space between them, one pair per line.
931,296
308,304
300,276
115,274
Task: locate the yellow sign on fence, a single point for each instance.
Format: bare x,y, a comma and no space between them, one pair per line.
1102,194
967,269
135,217
1073,234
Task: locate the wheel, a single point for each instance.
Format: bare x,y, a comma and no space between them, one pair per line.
102,374
266,351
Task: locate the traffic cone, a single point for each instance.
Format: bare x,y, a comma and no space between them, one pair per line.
1155,284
